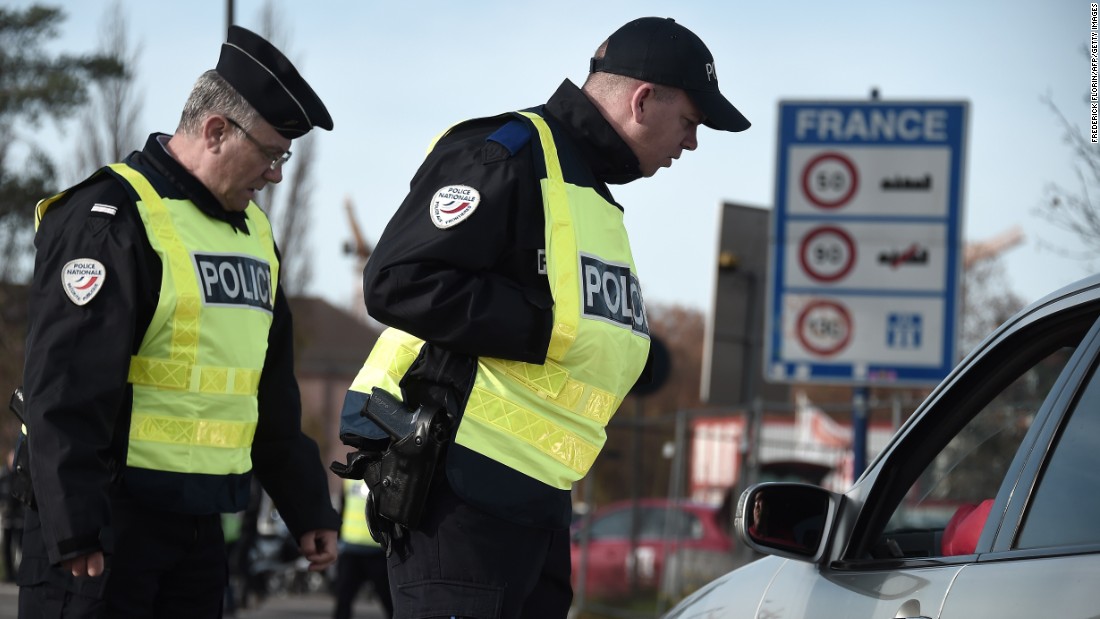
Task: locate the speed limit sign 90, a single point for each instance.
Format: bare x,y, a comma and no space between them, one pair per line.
827,253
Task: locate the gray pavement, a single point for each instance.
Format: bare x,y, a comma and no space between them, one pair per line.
307,606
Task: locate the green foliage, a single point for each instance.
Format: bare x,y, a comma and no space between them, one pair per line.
34,82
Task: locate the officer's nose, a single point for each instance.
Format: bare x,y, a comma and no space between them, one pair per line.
274,176
691,140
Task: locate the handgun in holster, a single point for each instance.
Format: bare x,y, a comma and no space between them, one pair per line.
398,473
21,488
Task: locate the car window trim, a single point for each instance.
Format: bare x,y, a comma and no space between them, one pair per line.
963,391
1072,383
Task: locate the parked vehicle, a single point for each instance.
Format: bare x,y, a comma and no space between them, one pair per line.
626,546
986,503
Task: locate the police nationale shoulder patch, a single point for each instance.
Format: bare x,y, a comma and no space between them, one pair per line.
82,279
451,205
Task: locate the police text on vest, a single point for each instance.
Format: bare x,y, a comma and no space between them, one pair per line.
234,280
610,292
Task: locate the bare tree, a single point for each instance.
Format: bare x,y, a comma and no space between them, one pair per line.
112,116
988,301
1077,212
289,210
644,423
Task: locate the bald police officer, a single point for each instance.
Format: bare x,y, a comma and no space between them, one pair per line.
515,310
159,373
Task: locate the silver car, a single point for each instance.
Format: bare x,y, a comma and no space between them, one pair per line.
986,503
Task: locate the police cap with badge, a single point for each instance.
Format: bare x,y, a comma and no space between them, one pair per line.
271,84
661,51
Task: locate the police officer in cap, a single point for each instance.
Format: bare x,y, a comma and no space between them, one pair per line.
159,373
515,308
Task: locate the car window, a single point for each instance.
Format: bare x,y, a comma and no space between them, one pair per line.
677,524
615,525
973,464
943,511
653,523
1065,507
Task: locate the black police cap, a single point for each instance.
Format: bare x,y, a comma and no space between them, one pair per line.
271,84
661,51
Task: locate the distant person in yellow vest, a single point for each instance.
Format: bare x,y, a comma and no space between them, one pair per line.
159,370
231,532
516,325
361,558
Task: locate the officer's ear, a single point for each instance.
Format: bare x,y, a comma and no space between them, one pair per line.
215,131
640,100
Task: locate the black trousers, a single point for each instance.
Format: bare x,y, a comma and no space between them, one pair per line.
164,565
356,567
464,562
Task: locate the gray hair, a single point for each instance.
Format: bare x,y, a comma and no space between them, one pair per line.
213,95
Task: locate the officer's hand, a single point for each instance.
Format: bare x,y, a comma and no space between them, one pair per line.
319,547
85,565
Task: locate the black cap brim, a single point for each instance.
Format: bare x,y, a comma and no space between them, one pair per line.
719,113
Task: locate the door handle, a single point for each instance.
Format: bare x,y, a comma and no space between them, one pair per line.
909,610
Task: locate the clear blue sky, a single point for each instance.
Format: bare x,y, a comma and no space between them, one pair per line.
394,74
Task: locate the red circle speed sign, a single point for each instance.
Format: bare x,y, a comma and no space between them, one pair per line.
824,327
830,180
827,253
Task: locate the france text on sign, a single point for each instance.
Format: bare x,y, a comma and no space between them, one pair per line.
866,238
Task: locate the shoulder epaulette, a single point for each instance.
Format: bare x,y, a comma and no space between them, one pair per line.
513,136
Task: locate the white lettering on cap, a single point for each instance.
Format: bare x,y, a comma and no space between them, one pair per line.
452,205
711,76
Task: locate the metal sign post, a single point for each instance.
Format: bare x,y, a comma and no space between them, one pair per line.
866,246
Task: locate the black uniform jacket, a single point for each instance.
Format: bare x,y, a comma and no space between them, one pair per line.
479,288
75,379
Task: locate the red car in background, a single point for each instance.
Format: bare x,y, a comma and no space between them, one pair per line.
623,559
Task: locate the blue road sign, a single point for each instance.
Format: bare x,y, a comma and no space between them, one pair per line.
866,248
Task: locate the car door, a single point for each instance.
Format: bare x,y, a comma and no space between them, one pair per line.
1044,559
619,562
909,533
608,551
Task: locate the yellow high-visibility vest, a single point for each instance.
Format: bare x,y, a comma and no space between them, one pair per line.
548,421
354,529
197,372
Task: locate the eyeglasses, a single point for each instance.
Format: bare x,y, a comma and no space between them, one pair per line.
277,158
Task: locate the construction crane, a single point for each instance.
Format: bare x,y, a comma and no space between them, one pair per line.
979,251
361,249
358,246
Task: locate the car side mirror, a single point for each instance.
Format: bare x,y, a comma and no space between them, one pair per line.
786,519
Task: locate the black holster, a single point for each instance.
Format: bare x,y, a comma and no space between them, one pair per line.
21,488
400,474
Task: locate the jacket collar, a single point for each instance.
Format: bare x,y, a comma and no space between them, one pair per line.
156,156
605,152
